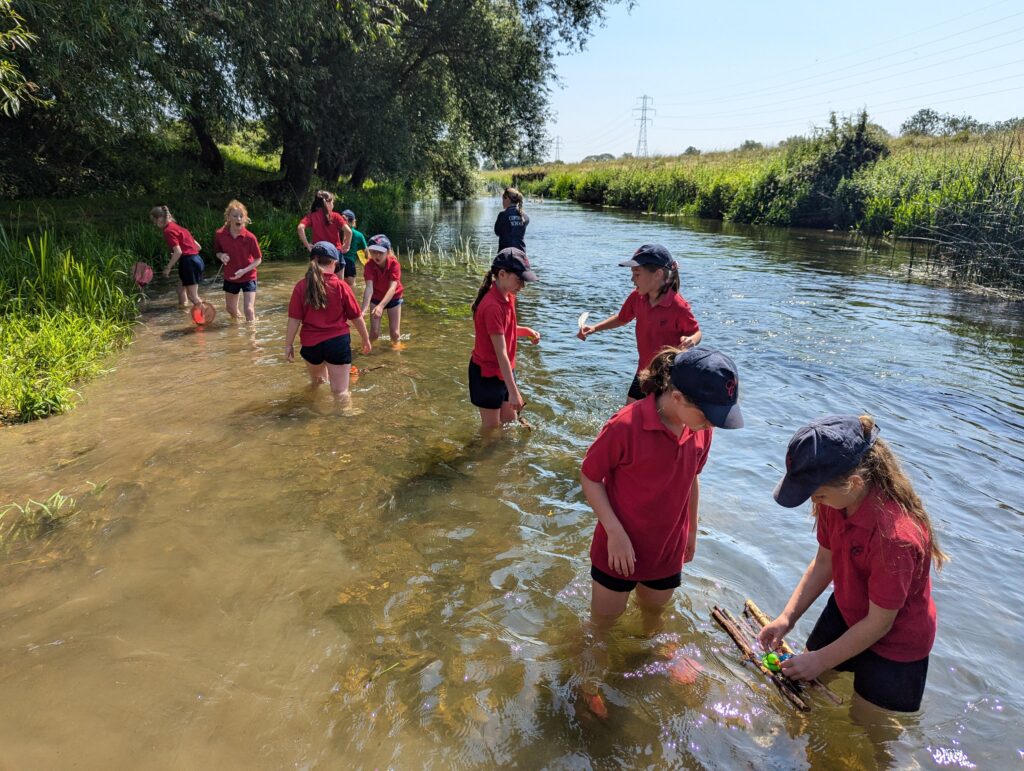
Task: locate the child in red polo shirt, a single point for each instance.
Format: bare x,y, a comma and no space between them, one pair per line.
663,317
322,304
327,225
383,277
184,253
640,476
876,546
239,251
492,383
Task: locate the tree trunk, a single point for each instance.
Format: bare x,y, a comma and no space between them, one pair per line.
328,166
359,173
209,153
298,154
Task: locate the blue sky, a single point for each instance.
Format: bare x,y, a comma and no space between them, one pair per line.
722,73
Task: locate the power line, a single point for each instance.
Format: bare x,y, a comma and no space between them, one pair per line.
643,120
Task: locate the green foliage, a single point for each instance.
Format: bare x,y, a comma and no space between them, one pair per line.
15,88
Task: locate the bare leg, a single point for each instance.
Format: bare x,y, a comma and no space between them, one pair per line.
317,373
605,608
249,301
374,327
231,303
181,295
652,604
338,375
490,419
351,281
192,291
395,323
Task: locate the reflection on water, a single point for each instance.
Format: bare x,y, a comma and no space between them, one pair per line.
263,578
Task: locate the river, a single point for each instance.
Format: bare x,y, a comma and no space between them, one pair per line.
256,578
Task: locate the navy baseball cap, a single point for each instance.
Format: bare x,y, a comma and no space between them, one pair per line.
325,249
379,243
349,215
650,254
710,380
818,453
514,260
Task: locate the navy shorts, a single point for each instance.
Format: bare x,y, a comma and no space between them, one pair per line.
350,268
395,302
895,685
234,287
190,269
634,389
337,350
617,584
487,393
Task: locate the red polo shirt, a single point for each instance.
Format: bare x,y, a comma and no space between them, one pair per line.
176,235
495,315
321,230
648,473
319,324
381,277
242,251
881,555
658,325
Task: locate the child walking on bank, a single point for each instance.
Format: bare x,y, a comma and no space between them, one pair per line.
239,251
663,317
510,227
383,277
640,476
876,546
492,384
184,253
322,305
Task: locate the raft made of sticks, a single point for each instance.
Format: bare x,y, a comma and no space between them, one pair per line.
745,642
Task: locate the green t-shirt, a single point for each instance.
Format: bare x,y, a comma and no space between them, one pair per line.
358,242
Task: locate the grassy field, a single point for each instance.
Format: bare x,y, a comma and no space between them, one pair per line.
961,198
67,297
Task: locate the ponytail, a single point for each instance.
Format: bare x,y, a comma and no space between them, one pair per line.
671,278
514,196
485,287
657,378
320,201
881,468
316,287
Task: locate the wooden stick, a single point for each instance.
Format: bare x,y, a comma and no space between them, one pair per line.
750,609
726,621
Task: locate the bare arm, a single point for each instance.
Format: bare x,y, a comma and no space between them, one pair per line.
379,310
346,239
694,506
175,256
515,399
612,322
621,557
815,580
854,640
367,294
689,341
360,326
289,338
302,237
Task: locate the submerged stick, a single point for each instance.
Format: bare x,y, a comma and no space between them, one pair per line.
751,610
725,620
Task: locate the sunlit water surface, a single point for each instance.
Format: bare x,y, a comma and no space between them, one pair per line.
257,578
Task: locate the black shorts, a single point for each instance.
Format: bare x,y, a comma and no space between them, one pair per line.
393,303
623,585
634,389
337,350
350,268
190,269
234,287
487,393
895,685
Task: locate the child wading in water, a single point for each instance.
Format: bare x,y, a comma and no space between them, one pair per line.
322,304
356,250
184,253
492,383
640,476
875,545
510,227
239,251
663,317
383,277
327,225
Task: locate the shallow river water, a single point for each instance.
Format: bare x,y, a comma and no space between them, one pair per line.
257,579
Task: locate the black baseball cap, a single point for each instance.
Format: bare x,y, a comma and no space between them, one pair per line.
818,453
514,260
710,380
650,254
325,249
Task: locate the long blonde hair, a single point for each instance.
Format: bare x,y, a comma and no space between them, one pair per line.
880,467
236,204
